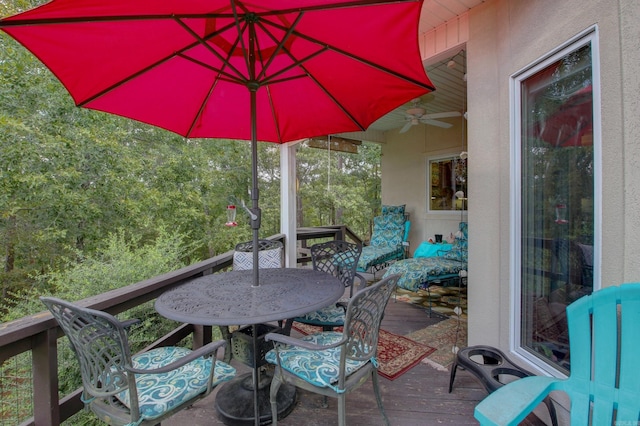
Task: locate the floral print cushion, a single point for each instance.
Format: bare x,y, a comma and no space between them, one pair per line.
159,393
458,251
375,255
329,316
459,248
386,241
318,367
387,209
388,230
417,271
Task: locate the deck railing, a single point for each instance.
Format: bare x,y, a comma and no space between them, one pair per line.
37,335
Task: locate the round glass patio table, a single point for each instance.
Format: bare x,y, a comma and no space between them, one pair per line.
229,298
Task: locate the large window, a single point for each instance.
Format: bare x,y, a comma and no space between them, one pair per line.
556,195
447,183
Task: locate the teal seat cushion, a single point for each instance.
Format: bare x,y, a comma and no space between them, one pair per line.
320,368
159,393
418,271
386,241
375,255
458,250
329,316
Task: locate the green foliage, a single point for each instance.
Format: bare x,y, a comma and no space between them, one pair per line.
339,188
119,262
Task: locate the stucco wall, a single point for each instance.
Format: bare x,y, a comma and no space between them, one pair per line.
404,175
504,37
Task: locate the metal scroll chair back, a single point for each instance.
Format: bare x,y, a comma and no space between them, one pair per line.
363,318
331,363
338,258
604,382
269,255
122,389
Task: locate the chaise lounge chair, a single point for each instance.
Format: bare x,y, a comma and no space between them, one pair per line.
422,272
388,241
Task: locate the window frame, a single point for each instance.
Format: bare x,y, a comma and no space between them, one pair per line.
464,186
589,36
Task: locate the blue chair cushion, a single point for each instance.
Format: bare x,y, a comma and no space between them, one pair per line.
159,393
458,251
387,209
417,271
320,368
388,230
329,316
375,255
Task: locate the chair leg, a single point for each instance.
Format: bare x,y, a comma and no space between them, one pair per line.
342,412
273,397
226,336
452,376
376,390
325,401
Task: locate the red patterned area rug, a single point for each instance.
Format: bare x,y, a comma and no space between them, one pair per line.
396,354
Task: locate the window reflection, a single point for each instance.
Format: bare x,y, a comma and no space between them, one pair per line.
447,176
557,201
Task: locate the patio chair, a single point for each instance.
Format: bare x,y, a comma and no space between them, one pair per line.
340,259
141,389
389,241
335,363
421,272
604,382
269,256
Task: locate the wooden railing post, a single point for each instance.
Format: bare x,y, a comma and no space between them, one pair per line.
46,410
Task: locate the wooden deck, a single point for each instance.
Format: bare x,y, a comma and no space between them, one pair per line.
418,397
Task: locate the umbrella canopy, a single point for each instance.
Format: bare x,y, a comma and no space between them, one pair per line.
571,124
269,70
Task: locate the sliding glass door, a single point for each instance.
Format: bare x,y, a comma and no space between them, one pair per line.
555,218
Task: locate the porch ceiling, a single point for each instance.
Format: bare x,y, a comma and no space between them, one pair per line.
450,93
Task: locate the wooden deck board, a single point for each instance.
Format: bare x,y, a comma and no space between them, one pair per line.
419,397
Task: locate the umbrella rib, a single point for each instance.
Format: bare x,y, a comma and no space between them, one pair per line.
355,3
229,77
112,18
273,112
198,40
357,58
134,75
297,63
280,43
201,108
241,39
204,43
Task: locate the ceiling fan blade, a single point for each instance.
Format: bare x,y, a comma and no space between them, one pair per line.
436,123
448,114
405,127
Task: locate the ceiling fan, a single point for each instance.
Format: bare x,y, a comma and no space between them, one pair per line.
418,114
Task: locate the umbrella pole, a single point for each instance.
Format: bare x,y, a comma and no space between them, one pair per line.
255,219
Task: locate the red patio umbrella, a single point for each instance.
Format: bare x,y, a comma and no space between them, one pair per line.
571,124
268,70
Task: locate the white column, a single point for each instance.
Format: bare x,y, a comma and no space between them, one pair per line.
288,201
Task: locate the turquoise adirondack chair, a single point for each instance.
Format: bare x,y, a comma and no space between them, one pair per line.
604,383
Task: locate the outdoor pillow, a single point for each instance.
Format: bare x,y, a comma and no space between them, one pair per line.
387,209
388,230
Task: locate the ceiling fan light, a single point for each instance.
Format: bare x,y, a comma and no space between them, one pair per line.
414,121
